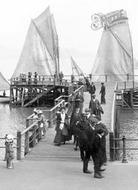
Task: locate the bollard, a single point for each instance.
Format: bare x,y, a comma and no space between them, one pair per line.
124,160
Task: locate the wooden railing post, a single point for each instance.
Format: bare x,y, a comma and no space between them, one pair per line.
27,142
19,143
27,138
50,119
112,146
124,160
34,136
39,131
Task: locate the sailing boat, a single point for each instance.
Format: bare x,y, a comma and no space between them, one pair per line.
40,51
4,86
33,80
76,70
114,57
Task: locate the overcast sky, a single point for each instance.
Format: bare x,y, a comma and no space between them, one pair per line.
73,20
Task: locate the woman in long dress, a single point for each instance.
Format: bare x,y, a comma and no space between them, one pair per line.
62,128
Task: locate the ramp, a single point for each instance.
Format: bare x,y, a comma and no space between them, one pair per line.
46,150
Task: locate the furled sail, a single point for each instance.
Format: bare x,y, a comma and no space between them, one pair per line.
4,85
115,54
38,52
75,68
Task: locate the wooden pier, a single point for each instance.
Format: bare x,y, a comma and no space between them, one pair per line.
37,91
46,146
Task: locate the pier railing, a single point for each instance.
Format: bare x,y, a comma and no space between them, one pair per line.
32,134
114,150
29,137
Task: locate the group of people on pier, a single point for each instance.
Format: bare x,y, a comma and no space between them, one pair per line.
87,128
38,115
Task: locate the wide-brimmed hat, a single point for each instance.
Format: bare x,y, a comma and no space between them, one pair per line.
39,112
9,138
35,110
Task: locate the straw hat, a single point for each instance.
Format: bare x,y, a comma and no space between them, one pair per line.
35,110
9,138
40,112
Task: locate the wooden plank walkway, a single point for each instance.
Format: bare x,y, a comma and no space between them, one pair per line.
46,150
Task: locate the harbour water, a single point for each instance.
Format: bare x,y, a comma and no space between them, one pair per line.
12,120
129,128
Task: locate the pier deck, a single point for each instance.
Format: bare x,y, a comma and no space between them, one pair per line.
46,149
51,167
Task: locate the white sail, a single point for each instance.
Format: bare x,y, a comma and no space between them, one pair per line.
4,85
75,68
38,51
115,55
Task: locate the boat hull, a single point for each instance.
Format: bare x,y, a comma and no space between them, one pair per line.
4,99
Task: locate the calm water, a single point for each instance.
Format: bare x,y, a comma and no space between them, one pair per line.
12,120
129,128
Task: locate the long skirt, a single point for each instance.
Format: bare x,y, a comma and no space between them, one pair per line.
61,136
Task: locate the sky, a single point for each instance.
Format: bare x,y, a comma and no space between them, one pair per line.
73,21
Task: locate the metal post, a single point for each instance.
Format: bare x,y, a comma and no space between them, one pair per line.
124,160
112,146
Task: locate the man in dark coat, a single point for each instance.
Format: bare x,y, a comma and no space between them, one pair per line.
95,106
79,101
102,92
89,143
75,117
92,89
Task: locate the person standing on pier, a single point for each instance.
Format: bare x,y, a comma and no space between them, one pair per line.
101,128
61,76
72,78
102,92
92,89
41,121
79,101
62,127
75,117
95,107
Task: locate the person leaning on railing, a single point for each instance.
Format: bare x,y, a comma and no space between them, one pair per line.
41,121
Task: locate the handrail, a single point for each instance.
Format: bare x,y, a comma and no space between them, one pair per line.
30,127
57,105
